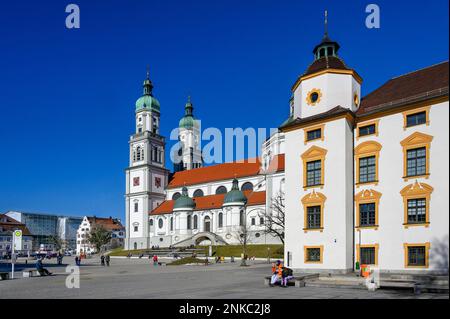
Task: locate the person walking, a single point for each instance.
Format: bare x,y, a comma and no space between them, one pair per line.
102,260
77,260
155,260
107,259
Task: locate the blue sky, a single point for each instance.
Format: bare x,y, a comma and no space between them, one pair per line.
67,96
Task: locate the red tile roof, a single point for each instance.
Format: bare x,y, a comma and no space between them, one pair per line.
247,167
8,224
107,223
409,87
211,202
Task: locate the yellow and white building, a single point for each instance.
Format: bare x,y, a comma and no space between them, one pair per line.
367,179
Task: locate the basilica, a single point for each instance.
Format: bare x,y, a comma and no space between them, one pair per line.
364,180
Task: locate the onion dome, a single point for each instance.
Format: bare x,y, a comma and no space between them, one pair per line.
188,120
184,201
235,195
147,101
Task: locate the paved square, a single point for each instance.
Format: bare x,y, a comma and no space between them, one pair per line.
138,278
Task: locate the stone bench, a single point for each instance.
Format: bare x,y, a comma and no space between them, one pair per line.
27,273
4,275
402,284
297,281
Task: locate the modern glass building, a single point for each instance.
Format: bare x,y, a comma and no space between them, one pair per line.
44,226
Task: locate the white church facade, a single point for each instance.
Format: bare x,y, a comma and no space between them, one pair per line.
365,180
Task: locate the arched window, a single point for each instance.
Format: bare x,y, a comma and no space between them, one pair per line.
241,218
207,224
198,193
261,220
247,186
195,222
176,195
135,246
221,190
220,220
189,222
151,222
160,223
171,223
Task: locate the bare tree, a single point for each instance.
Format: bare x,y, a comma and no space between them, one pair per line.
274,217
243,235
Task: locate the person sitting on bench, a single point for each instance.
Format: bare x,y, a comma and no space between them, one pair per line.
41,270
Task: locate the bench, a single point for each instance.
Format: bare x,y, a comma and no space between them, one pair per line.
399,284
27,273
297,281
4,275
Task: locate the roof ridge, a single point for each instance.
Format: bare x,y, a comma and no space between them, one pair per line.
418,70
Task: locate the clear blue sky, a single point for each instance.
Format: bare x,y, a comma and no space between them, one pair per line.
67,96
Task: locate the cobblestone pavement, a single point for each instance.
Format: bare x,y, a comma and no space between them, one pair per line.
138,278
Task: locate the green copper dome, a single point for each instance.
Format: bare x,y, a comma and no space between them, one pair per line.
235,195
188,120
184,201
147,101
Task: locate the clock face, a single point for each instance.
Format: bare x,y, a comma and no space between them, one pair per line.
136,181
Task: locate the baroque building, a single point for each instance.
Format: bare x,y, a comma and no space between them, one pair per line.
367,179
364,180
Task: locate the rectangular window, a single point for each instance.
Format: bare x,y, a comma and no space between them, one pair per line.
367,130
367,255
253,221
367,214
136,228
136,207
314,173
313,217
416,256
416,161
417,210
314,134
416,119
261,220
313,254
367,169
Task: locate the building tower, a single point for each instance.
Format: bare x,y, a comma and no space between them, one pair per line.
318,135
189,154
146,176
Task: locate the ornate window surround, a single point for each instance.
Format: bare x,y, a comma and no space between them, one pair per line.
366,197
415,191
314,153
313,199
366,149
413,141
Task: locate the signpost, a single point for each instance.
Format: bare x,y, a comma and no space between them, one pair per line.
16,245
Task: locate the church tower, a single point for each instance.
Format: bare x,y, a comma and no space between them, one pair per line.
146,176
189,154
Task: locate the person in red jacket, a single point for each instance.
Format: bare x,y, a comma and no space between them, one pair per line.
155,260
